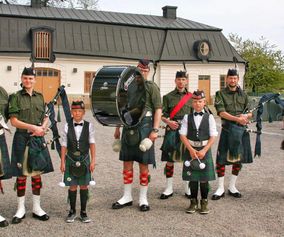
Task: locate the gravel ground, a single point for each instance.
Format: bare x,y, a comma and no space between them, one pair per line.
259,213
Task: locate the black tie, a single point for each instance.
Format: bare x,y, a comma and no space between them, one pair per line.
78,124
198,113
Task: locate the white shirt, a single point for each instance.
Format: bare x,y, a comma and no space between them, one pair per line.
78,131
197,120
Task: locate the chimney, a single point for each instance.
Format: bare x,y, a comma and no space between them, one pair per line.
170,12
37,3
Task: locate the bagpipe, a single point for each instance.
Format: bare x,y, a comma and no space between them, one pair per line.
55,142
258,112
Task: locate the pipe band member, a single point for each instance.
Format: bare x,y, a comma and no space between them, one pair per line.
234,145
198,133
30,155
5,165
176,104
77,140
130,152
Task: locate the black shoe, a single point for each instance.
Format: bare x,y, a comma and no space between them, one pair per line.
117,205
165,196
217,197
4,223
187,196
236,195
17,220
144,207
45,217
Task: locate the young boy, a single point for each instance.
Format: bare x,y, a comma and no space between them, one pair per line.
77,140
198,132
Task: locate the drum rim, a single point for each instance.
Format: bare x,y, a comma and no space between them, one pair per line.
125,68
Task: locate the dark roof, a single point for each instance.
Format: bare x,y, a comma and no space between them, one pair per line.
140,20
108,34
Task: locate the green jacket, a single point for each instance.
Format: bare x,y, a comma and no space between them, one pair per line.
232,102
153,97
3,102
171,99
26,108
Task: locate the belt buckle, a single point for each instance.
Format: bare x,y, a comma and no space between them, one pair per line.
77,153
197,143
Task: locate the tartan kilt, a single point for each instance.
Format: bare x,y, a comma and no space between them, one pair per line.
131,152
5,159
71,180
177,154
19,156
223,148
207,174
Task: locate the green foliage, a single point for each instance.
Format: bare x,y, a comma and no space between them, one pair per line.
265,71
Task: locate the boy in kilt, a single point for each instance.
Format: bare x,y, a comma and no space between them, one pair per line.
5,166
234,146
77,139
176,104
198,133
30,156
147,128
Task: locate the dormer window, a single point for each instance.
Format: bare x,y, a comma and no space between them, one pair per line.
42,44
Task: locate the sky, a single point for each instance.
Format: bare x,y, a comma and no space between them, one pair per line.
250,19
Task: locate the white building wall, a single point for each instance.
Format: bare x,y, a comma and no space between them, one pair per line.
214,70
74,82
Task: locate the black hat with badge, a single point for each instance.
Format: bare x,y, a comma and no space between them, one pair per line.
78,104
232,72
181,74
143,64
198,95
28,71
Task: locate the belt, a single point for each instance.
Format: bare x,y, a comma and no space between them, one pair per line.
148,114
198,143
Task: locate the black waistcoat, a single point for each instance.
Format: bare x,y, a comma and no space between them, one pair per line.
83,144
200,134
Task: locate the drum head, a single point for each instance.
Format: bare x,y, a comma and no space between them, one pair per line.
118,96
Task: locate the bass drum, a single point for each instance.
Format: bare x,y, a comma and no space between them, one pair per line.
118,96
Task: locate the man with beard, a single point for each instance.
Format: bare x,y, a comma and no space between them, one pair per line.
234,147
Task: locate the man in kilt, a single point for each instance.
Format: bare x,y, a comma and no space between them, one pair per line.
234,147
198,133
176,104
30,156
130,152
77,139
5,166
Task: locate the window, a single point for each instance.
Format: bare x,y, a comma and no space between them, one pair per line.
88,81
222,81
203,77
42,45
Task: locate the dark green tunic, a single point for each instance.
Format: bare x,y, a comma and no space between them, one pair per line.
5,166
29,109
170,100
234,103
131,137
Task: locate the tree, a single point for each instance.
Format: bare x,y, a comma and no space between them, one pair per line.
265,72
78,4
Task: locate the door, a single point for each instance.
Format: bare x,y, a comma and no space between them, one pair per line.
204,84
47,82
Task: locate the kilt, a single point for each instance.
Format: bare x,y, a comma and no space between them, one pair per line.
207,174
130,150
224,144
4,159
71,180
172,147
19,160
